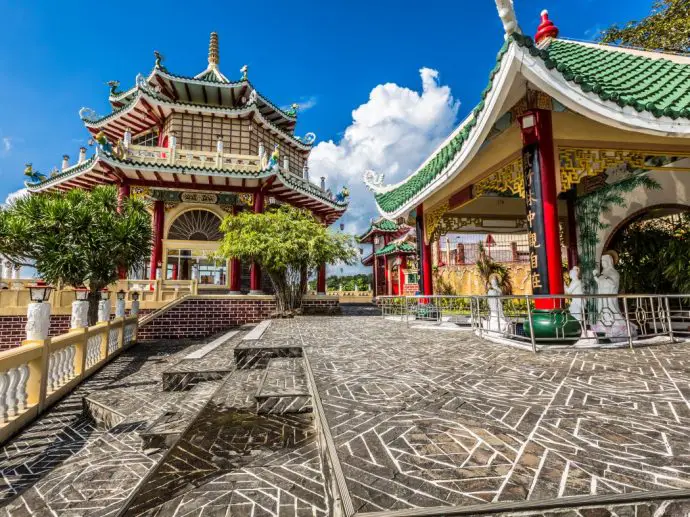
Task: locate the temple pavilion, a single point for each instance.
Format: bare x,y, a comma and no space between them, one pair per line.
199,148
569,142
393,257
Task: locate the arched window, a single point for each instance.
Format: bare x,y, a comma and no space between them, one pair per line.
196,225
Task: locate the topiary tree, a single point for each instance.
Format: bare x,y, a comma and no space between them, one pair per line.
288,243
77,238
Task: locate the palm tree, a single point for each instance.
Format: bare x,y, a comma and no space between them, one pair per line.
77,238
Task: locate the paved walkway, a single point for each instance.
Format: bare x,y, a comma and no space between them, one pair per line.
403,418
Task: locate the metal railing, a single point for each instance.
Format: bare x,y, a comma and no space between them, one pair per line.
37,374
580,320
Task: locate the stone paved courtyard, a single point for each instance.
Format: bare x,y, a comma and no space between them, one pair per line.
398,419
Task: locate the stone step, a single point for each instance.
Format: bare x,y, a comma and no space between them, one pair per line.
284,388
212,362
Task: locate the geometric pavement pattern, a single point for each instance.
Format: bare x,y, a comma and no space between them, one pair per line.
418,418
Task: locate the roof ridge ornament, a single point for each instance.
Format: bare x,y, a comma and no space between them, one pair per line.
546,29
373,180
506,12
213,54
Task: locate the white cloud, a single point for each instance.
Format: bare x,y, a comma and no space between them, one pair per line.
393,132
6,144
303,105
17,194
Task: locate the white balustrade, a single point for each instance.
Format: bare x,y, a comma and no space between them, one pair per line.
192,158
61,367
13,392
129,333
112,340
93,350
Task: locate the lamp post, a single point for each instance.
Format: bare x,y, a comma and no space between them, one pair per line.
135,304
104,306
38,312
80,309
120,304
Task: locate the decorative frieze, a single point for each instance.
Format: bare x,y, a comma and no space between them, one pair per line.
506,180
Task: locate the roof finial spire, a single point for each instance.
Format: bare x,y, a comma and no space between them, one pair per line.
213,57
546,28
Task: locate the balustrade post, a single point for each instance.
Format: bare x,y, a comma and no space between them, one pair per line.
80,354
37,383
627,322
121,334
668,317
105,337
531,326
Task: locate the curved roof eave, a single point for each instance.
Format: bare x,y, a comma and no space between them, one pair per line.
519,61
153,97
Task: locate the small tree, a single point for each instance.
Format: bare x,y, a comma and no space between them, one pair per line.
77,238
667,27
288,243
486,267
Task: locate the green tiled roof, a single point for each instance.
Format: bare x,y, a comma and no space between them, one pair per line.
658,86
381,225
397,247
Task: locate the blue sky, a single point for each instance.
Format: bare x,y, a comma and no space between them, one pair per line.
411,70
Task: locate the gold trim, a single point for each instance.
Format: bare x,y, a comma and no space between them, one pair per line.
432,219
506,179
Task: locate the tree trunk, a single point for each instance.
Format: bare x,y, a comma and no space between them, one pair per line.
94,298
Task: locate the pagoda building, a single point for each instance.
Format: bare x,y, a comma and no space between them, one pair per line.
392,258
569,142
199,148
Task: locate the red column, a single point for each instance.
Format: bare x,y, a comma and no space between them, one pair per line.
425,252
401,275
387,276
572,232
122,193
255,271
321,280
376,263
235,268
537,137
157,249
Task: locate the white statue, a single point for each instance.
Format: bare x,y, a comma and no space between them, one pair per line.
577,310
610,321
506,12
497,321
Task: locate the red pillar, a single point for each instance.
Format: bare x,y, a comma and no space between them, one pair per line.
387,276
401,275
425,254
572,232
157,249
122,193
542,201
321,280
255,272
376,263
235,268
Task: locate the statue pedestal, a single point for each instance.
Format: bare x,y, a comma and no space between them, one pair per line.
552,324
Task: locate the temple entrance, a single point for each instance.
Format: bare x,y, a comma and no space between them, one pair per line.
653,246
192,238
395,279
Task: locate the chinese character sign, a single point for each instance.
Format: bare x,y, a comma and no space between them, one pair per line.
535,219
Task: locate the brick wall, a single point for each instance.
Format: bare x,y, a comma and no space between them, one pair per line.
203,317
13,329
329,305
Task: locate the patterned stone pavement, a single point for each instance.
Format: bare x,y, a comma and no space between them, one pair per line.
424,418
413,419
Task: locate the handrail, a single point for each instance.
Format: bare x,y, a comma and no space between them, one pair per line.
192,157
37,374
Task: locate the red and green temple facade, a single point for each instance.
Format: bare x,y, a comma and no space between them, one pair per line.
199,148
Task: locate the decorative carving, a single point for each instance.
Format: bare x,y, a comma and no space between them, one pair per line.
309,138
37,321
88,114
140,192
576,163
373,180
432,220
246,199
534,99
509,179
506,12
198,197
169,205
104,310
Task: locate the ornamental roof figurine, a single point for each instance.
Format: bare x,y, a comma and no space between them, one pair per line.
546,28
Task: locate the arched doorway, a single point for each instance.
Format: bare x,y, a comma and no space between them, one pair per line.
192,238
653,246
